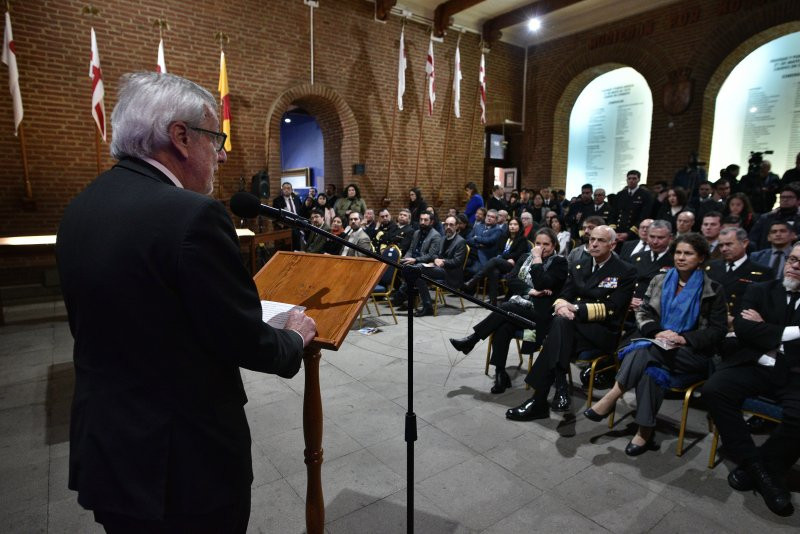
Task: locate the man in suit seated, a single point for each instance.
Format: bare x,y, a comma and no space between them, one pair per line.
735,270
650,263
588,315
766,363
446,266
424,246
684,223
634,246
386,232
781,235
290,202
164,315
582,251
712,224
485,239
315,243
356,235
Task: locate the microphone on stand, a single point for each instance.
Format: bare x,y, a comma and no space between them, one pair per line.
246,205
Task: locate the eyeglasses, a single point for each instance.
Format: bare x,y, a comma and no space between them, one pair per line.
792,260
218,137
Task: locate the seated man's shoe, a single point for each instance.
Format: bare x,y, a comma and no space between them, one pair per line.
423,312
777,499
758,425
470,285
635,450
529,410
561,401
501,381
740,480
592,415
465,344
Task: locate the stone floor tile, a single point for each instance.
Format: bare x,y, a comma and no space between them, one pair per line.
480,429
545,514
68,516
275,508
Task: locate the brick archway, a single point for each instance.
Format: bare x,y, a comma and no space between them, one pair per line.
336,120
724,69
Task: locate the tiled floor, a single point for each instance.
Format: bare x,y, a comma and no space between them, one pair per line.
474,470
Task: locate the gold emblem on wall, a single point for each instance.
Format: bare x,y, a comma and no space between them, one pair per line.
678,91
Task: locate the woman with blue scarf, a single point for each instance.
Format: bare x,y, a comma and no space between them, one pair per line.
685,311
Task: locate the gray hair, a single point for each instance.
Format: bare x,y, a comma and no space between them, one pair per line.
741,233
147,103
660,223
612,234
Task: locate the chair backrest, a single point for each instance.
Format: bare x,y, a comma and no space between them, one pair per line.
391,253
466,258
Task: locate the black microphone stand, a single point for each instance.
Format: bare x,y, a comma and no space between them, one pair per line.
410,276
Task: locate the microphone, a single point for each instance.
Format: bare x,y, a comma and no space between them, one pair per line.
247,206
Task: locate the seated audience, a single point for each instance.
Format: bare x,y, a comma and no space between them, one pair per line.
514,206
424,246
497,200
386,232
676,203
563,236
538,209
369,224
634,246
786,211
722,189
315,243
405,231
328,213
515,246
649,263
463,225
705,202
337,228
735,270
739,205
581,252
712,224
528,228
538,277
685,222
579,208
588,315
684,309
350,203
780,237
356,235
485,240
767,363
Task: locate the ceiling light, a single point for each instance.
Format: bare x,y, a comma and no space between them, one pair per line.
534,24
287,120
753,109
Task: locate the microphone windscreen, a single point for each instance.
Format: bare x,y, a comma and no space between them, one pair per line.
245,205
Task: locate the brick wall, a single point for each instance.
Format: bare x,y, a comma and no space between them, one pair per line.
268,69
708,37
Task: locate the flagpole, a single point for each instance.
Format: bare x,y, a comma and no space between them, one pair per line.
472,129
386,199
27,178
421,122
437,201
97,149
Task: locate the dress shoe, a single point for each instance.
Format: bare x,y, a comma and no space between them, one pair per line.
561,400
592,415
424,312
465,344
501,381
740,480
470,285
758,425
777,499
529,410
602,380
635,450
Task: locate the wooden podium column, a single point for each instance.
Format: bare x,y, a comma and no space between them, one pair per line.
312,435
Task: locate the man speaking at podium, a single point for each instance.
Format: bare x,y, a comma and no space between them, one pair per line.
163,314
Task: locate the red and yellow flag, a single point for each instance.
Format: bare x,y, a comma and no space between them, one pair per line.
225,99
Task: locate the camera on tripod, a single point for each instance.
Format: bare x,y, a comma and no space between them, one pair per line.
754,163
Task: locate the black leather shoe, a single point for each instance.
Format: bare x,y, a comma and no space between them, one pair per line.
777,499
757,425
470,285
739,480
423,312
592,415
529,410
561,401
465,344
501,382
635,450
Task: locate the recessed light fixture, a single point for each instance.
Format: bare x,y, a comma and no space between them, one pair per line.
534,24
287,120
753,109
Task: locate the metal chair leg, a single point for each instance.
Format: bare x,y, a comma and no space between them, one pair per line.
684,414
488,355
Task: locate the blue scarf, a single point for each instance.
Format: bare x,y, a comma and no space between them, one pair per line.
679,313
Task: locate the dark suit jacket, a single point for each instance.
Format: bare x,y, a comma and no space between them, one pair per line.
646,269
757,338
280,203
163,313
602,297
552,278
453,258
764,257
629,210
627,249
736,282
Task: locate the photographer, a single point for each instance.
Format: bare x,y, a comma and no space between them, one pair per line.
759,183
690,177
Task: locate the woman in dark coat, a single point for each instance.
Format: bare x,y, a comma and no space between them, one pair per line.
516,245
416,205
536,279
685,312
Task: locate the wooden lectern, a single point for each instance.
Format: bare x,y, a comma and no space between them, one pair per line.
333,289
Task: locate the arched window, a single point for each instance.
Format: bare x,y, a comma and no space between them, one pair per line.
756,108
609,131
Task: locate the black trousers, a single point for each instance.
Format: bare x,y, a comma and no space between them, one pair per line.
724,393
492,270
231,519
503,329
565,340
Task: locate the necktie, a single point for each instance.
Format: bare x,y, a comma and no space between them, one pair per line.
595,267
730,266
652,256
778,259
793,296
289,204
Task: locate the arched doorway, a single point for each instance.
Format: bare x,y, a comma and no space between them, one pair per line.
336,120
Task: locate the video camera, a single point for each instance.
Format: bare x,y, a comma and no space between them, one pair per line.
754,163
